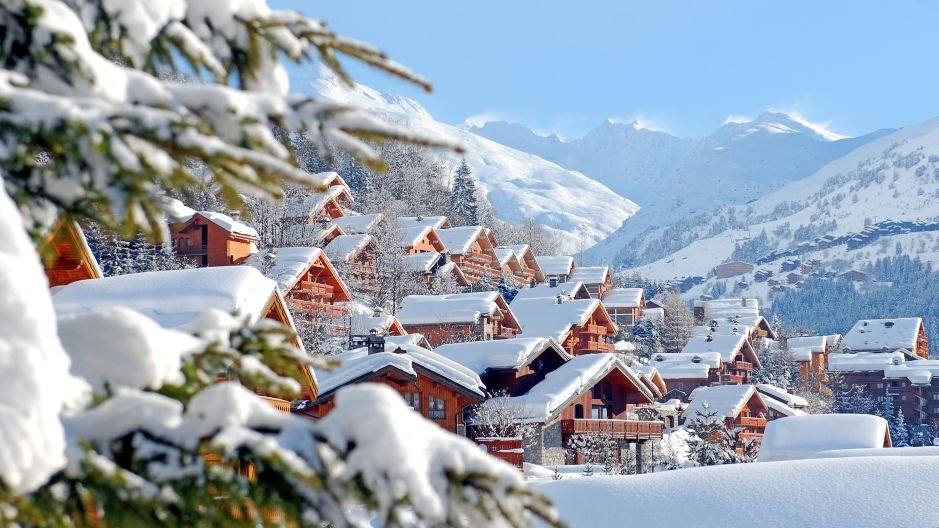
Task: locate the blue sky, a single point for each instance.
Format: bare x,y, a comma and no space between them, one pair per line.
678,66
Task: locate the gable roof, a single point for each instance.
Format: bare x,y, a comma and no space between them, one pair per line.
437,222
678,365
363,323
502,354
310,204
547,318
622,297
359,224
506,257
570,289
357,365
725,400
555,264
527,258
410,236
459,240
344,248
802,348
72,259
591,274
546,400
176,298
725,345
454,308
883,334
291,263
724,308
772,392
178,213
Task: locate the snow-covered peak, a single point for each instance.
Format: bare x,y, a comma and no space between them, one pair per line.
736,127
519,185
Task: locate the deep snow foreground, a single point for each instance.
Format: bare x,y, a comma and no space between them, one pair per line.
856,492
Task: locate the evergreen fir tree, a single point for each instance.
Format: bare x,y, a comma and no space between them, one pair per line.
508,287
463,201
709,443
899,431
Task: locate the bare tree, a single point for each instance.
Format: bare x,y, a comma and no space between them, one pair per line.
676,328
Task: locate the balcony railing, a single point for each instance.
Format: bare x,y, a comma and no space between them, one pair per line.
743,365
505,333
731,378
592,329
192,250
277,403
622,429
313,307
749,421
593,346
315,288
744,436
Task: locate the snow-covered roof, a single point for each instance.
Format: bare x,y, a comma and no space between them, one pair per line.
310,204
410,236
550,396
802,348
289,264
865,361
678,365
344,248
452,308
920,372
436,222
570,289
591,274
547,318
881,334
622,297
725,400
780,394
505,256
725,345
800,437
555,264
358,224
734,329
422,262
362,323
511,354
723,308
520,251
179,213
173,299
780,407
358,364
458,240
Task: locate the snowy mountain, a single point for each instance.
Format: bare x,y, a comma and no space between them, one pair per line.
518,184
879,200
676,179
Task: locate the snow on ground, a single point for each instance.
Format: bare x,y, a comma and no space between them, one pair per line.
518,184
845,492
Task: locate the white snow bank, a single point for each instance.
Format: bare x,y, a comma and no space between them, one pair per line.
37,383
847,492
800,437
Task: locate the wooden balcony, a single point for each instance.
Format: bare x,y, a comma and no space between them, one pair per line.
277,403
588,347
731,379
476,270
749,421
621,429
743,365
592,329
192,250
316,289
745,436
313,307
506,333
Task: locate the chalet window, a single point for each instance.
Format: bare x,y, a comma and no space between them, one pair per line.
413,399
578,411
436,408
894,384
603,391
903,397
600,412
935,396
538,365
681,386
880,385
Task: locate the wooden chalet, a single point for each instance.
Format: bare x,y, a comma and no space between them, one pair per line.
209,239
437,222
626,306
736,405
811,354
527,261
588,394
732,269
780,403
559,266
510,266
738,358
754,328
310,283
552,290
167,298
421,239
597,279
332,201
510,365
582,326
472,249
354,256
441,390
66,255
377,322
888,335
433,266
360,224
452,318
683,373
730,316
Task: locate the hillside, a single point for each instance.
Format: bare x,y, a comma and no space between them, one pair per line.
678,180
518,184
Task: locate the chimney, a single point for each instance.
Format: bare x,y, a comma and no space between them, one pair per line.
553,282
532,283
559,299
709,338
375,341
420,218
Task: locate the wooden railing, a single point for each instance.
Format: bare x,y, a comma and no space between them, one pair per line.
318,308
592,329
743,365
315,288
622,429
277,403
471,268
505,333
744,436
192,250
749,421
593,346
731,378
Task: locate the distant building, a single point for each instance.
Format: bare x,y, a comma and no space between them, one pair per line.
854,276
732,269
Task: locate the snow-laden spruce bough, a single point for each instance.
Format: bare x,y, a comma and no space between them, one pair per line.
109,419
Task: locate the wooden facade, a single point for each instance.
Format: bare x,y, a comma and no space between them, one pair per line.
436,398
732,269
206,244
597,334
424,240
478,259
66,255
516,382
